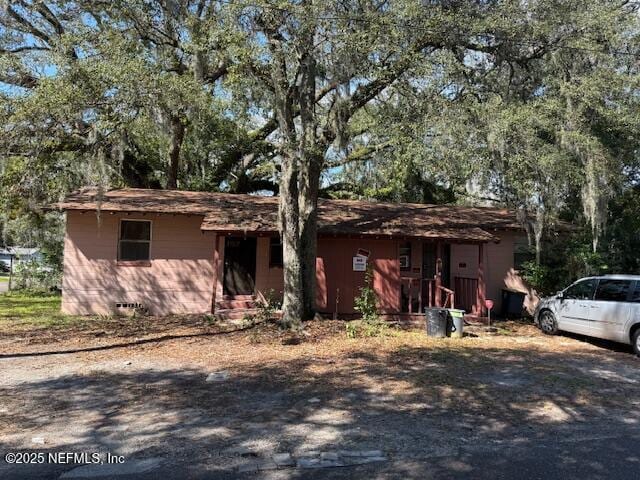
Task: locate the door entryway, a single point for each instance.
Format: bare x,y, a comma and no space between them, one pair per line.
429,267
239,265
429,260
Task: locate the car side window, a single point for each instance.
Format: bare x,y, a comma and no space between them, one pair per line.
582,290
635,296
613,290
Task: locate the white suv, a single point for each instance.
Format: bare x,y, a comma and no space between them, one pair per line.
603,307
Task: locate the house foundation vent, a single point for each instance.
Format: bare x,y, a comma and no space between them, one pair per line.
129,305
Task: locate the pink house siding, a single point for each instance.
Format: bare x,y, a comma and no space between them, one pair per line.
338,281
220,275
178,280
267,278
498,261
181,277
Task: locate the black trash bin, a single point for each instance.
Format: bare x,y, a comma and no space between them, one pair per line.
512,303
438,322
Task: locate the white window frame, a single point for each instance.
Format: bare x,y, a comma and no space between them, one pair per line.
405,260
150,222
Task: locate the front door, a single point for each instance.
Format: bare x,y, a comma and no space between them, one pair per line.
429,262
429,259
239,265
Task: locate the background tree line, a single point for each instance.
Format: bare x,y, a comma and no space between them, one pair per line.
531,105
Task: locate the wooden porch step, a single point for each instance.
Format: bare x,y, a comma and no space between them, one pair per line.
239,297
230,302
235,313
235,304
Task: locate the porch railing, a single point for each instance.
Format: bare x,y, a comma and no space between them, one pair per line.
424,292
449,297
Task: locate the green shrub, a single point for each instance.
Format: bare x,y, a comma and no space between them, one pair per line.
34,276
566,259
360,328
248,321
370,325
352,329
366,301
268,306
538,276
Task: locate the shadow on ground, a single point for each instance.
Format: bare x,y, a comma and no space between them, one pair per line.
412,403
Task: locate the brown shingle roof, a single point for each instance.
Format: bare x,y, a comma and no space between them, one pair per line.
250,213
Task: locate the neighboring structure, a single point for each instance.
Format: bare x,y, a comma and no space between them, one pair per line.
197,252
12,256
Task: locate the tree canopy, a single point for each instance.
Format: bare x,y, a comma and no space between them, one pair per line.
532,105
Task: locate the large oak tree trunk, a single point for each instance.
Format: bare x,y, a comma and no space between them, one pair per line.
538,229
311,156
177,130
298,213
292,305
300,178
308,221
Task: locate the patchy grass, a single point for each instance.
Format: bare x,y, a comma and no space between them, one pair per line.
31,309
4,279
32,318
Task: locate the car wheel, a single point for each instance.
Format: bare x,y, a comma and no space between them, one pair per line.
635,342
547,322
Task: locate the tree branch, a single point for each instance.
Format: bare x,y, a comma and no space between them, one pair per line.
360,154
24,80
25,48
222,69
48,15
28,25
365,93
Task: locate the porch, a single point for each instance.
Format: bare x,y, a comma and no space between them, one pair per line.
409,275
437,274
440,281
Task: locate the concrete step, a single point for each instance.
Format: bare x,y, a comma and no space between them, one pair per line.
239,297
235,304
228,302
235,313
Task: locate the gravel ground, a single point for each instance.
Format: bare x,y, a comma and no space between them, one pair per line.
410,397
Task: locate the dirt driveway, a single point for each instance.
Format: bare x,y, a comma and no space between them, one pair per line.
400,398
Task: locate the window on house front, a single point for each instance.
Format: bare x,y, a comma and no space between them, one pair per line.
405,256
275,252
135,240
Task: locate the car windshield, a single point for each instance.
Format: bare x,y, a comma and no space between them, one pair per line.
581,290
